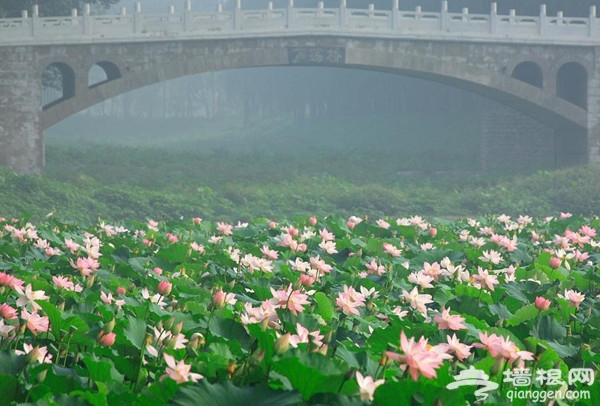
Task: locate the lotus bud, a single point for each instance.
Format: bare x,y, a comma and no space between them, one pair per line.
121,290
164,287
231,367
177,328
89,282
148,339
323,349
328,336
257,357
169,323
555,262
218,301
196,341
282,344
313,221
498,367
542,303
106,340
41,377
170,342
432,231
108,327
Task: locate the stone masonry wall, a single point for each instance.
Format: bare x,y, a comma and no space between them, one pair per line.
512,141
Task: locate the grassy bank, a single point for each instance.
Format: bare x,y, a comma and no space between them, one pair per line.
126,169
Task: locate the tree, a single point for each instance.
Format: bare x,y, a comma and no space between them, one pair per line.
13,8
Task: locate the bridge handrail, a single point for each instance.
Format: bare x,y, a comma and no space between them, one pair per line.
477,27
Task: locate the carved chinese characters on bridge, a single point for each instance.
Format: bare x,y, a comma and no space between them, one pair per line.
316,55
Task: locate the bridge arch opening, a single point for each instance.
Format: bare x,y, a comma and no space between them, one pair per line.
571,83
58,84
529,72
102,72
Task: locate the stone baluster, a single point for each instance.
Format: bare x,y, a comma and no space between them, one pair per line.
395,23
418,12
35,20
187,16
137,18
123,11
512,16
289,16
593,23
371,10
24,14
219,8
87,19
543,24
343,13
237,15
493,18
465,14
171,10
444,17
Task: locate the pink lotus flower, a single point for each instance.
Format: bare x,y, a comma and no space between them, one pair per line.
265,313
542,303
305,336
180,372
172,238
375,268
501,347
220,299
417,301
483,278
447,321
418,357
36,354
35,323
290,299
224,228
587,231
85,265
573,296
367,386
454,346
5,329
10,281
7,312
391,249
197,220
326,235
328,246
349,300
269,253
382,224
66,283
27,297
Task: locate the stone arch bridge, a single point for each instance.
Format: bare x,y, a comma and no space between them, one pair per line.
547,67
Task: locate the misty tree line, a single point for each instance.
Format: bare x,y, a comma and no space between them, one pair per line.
297,92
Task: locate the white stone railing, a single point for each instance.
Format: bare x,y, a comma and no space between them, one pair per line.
239,22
